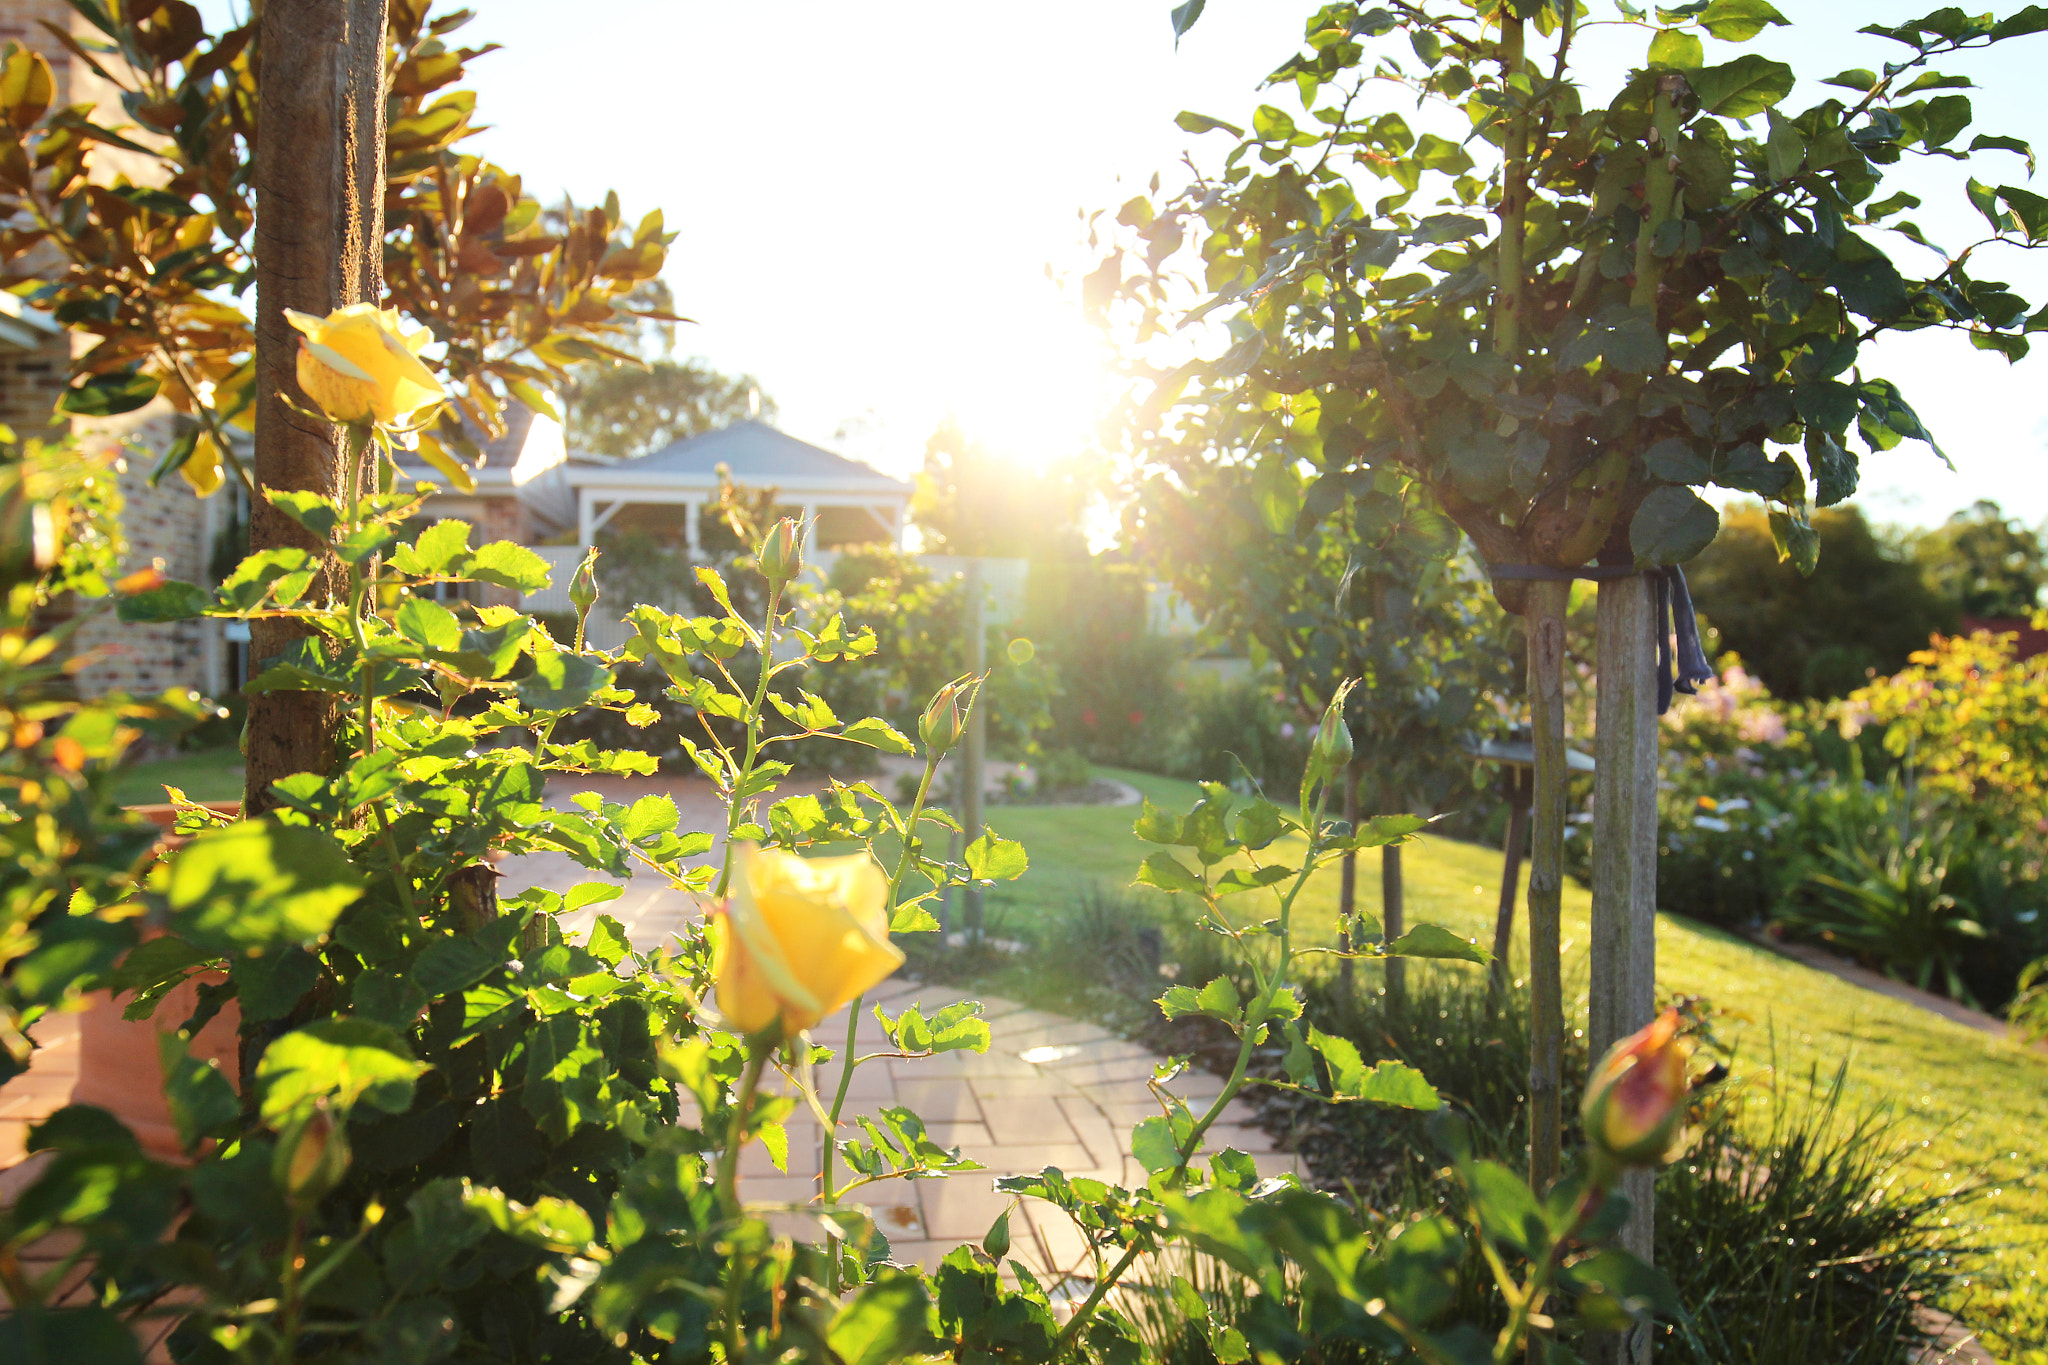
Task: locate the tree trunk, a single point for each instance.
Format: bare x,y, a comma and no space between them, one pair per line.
1624,966
319,245
1545,618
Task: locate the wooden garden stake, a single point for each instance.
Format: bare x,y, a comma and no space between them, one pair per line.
1624,967
1347,893
319,245
974,743
1545,616
1499,974
1392,917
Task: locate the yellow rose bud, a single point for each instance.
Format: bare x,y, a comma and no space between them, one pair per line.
943,721
799,938
583,585
358,365
1635,1097
1333,736
782,553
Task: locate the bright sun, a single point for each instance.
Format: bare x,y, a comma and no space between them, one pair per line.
1031,381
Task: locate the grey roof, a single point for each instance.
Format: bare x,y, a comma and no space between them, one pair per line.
758,454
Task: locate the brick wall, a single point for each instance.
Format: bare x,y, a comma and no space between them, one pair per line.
166,523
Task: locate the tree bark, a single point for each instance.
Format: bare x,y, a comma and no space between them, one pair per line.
319,245
1624,966
1546,876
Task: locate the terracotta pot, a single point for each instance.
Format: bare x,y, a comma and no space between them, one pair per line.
118,1069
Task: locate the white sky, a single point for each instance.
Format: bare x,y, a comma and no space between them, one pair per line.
869,197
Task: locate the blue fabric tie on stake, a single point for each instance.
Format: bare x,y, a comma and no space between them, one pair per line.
1682,669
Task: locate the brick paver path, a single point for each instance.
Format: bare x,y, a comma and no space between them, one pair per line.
1050,1091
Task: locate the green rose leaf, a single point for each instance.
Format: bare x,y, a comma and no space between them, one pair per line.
344,1060
257,884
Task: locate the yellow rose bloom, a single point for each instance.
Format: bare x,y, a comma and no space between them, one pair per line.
359,365
799,938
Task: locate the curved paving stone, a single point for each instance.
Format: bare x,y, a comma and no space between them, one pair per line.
1050,1091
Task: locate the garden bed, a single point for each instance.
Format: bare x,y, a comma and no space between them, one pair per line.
1970,1102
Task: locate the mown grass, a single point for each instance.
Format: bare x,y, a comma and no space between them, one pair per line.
202,774
1976,1105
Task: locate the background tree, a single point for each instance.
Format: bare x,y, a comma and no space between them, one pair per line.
153,277
627,409
1983,563
1866,605
972,501
1619,304
1376,590
630,410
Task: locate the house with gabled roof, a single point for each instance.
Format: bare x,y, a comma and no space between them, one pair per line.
532,489
843,501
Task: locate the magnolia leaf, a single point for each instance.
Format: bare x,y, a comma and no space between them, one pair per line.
1742,88
109,395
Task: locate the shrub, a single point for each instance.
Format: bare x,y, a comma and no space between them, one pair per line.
1971,719
1116,678
1230,728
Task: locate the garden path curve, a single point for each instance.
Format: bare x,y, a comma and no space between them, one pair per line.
1050,1091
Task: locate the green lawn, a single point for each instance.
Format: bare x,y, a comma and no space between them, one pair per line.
202,774
1978,1104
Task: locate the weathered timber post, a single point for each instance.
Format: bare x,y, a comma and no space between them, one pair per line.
974,743
1624,967
1500,975
319,245
1545,616
1393,920
1347,893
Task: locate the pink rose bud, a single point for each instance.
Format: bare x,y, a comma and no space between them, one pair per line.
1635,1097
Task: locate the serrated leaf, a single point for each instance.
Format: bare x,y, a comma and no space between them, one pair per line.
507,565
428,624
1166,872
347,1061
775,1141
650,815
1433,940
1251,879
877,733
994,859
257,884
168,601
